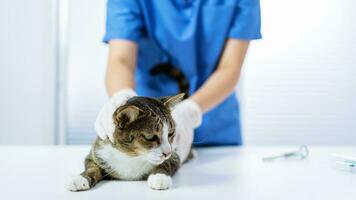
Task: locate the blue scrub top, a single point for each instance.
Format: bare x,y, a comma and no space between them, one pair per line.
191,35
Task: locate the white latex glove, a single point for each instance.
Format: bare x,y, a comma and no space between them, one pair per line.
104,124
187,116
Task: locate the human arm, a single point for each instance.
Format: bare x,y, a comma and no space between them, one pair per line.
188,114
119,83
121,66
124,27
223,81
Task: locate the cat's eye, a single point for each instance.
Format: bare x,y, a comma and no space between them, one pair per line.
150,138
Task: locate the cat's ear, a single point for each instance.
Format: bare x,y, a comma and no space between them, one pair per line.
171,101
126,115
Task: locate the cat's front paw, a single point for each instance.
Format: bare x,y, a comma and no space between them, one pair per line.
159,181
78,183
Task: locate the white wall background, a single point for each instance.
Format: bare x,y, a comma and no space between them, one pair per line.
298,84
300,80
86,67
27,67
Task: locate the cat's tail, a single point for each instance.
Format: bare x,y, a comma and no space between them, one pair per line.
174,73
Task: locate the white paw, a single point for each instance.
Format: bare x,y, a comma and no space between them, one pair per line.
78,183
159,181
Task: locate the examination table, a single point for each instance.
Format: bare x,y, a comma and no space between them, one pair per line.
224,173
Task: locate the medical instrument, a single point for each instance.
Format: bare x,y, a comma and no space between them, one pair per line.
302,153
345,162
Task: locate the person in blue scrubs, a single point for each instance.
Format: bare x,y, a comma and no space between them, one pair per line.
206,40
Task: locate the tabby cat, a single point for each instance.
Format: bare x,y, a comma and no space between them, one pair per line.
144,132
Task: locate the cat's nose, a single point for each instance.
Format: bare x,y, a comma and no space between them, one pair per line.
166,153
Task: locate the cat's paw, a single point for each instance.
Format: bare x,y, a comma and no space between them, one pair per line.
159,181
78,183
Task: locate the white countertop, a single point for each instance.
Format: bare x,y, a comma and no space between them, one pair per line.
217,173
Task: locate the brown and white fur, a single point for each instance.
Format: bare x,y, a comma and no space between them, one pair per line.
142,149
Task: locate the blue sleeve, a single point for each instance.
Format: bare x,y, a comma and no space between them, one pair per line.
123,20
246,24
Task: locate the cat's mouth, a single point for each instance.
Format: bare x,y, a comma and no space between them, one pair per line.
156,160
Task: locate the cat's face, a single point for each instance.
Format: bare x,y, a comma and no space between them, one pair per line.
144,127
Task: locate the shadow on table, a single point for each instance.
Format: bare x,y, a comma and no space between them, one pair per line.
215,155
203,178
208,168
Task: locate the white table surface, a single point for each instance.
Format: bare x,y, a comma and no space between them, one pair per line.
217,173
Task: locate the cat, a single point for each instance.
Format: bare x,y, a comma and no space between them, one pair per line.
142,148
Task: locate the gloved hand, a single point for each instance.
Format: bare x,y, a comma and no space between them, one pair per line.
104,124
187,116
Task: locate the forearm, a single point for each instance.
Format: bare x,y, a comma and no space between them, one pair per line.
118,76
215,90
223,81
121,66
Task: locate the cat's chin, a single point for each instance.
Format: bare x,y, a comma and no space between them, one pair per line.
155,162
